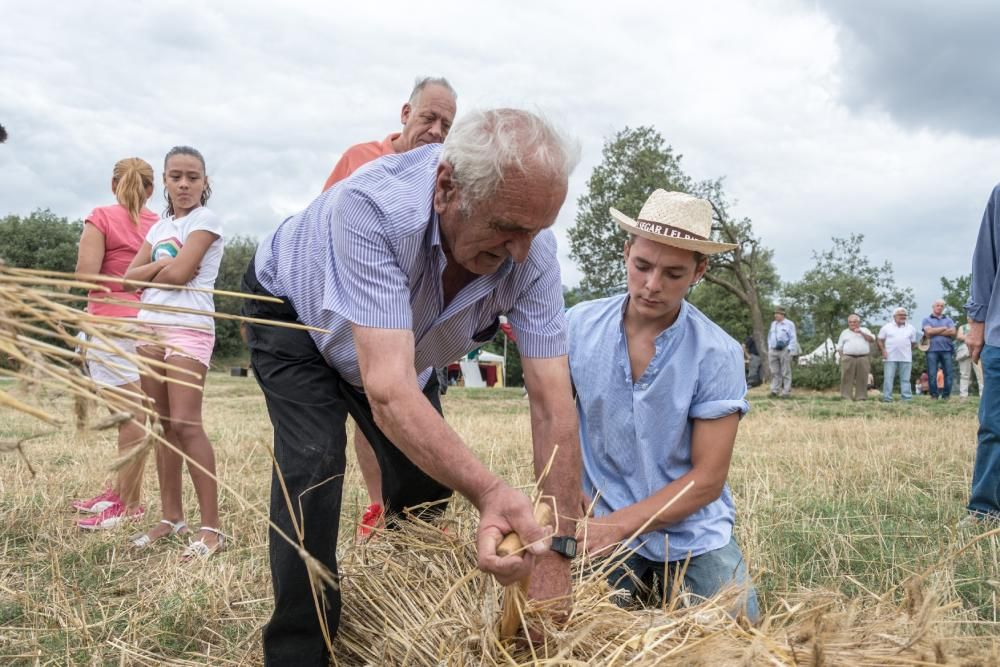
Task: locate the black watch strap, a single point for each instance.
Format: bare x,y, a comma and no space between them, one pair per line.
565,546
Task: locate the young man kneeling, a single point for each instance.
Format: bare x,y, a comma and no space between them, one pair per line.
660,393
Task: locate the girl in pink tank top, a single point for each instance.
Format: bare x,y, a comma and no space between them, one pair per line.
111,237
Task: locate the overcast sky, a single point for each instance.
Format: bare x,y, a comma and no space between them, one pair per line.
825,118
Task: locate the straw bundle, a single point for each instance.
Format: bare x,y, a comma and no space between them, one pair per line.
39,346
413,596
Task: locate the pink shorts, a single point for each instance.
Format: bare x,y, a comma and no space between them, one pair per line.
194,344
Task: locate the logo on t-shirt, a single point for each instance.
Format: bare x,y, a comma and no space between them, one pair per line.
167,248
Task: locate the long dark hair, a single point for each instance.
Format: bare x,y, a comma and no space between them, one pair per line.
186,150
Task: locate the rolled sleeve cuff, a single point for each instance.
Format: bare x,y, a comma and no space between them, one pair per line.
975,311
719,409
540,346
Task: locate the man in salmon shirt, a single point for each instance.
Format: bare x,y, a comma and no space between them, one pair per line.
426,118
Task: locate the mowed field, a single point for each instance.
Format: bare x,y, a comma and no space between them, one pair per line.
831,496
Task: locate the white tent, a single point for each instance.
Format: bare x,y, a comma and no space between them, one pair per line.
472,377
825,352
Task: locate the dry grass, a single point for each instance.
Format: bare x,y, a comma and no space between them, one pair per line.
848,516
837,513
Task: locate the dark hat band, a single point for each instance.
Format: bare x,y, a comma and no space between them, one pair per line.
667,231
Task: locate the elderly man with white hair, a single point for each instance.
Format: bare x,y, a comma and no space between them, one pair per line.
407,265
855,359
896,340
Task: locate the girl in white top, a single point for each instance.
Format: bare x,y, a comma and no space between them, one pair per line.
183,249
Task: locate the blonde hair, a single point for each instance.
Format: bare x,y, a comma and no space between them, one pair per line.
132,177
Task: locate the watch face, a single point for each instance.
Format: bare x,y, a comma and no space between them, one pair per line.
570,547
565,546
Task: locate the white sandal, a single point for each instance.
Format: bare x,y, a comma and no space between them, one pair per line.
198,548
143,540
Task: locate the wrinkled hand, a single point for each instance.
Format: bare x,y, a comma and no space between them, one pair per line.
974,339
503,510
599,537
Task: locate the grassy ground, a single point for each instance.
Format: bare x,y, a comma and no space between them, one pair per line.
830,495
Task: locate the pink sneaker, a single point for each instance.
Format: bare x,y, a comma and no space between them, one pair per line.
371,520
98,503
111,517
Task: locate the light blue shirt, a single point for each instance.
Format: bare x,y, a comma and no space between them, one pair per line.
636,435
984,297
783,331
369,251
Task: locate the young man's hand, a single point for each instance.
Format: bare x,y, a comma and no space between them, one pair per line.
599,536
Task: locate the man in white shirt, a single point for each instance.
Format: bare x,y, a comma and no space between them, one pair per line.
896,341
854,346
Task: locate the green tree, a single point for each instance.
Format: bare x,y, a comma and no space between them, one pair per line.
844,281
747,272
634,163
722,307
238,252
41,240
956,294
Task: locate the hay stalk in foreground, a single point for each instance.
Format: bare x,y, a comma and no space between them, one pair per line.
413,596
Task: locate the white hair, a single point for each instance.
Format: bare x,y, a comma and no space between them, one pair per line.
422,82
484,146
899,311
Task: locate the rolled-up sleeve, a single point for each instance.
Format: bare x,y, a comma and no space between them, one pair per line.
366,285
984,261
722,387
537,316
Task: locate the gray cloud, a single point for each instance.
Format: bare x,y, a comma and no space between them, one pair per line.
927,63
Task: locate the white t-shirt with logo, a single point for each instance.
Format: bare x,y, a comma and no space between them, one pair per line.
898,341
166,238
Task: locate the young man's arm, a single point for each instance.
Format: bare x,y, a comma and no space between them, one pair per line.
712,443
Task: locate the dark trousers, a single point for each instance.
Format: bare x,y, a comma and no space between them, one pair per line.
942,359
308,403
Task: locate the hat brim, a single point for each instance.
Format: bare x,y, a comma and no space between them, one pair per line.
704,247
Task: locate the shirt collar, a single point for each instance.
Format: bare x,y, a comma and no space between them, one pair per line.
387,147
681,316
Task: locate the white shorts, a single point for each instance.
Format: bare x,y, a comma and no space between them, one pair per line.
111,368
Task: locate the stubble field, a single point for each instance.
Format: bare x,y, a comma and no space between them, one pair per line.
832,497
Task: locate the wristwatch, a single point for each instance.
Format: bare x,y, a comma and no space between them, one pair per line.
564,546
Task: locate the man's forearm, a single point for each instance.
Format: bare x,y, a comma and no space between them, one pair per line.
563,482
412,424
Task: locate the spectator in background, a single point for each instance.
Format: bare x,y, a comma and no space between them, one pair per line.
983,340
854,346
940,329
922,384
752,357
965,364
426,117
896,341
782,345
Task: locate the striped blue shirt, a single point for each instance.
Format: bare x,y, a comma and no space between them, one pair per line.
369,251
636,434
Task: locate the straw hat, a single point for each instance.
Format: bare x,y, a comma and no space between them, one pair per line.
676,219
779,310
